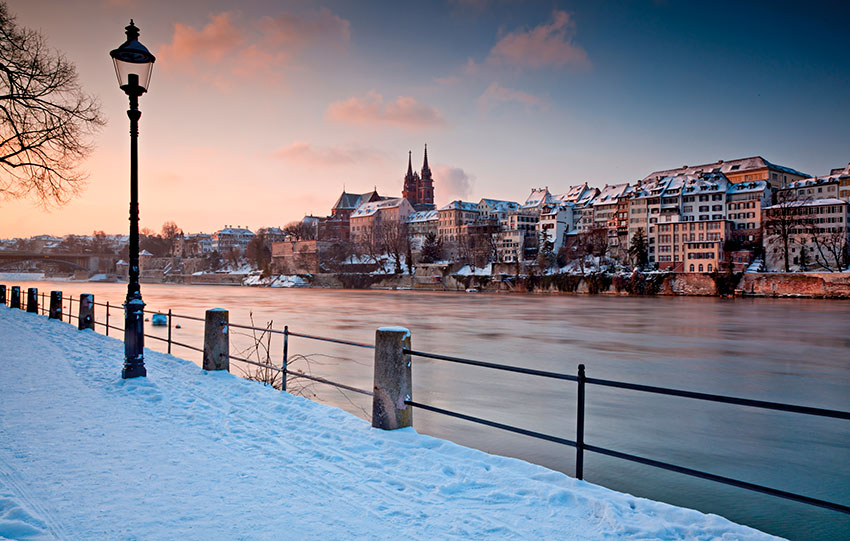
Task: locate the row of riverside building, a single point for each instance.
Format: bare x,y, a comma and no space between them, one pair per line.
694,218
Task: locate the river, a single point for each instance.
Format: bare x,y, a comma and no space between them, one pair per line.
787,350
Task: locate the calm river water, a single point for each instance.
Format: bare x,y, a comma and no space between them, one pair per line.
786,350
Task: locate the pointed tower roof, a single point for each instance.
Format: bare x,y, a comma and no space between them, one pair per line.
409,176
426,171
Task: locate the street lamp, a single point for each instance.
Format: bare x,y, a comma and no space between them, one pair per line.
133,65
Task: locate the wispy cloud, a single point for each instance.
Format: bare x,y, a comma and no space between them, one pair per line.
212,42
305,153
371,109
452,183
249,47
289,29
547,45
496,94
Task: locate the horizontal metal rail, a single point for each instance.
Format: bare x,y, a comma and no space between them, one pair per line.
504,367
187,346
249,361
332,340
250,328
494,424
193,318
820,412
329,382
719,479
300,335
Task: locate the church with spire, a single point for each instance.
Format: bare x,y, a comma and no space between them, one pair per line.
419,189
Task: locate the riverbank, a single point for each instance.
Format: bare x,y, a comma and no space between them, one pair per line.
193,455
751,284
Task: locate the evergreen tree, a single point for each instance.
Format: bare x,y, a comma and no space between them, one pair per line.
638,250
546,254
432,248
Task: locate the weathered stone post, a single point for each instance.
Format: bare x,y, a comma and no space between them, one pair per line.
216,340
3,294
55,305
32,300
86,319
393,383
15,298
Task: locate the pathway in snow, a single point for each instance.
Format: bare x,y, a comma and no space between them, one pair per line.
184,454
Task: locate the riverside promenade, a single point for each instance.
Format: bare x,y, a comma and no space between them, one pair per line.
188,454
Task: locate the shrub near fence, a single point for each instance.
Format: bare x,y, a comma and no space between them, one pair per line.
392,389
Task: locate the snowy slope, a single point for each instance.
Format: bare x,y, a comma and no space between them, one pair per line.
185,454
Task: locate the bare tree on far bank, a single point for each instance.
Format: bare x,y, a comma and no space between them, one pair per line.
46,119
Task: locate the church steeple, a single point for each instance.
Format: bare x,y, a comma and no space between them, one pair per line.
411,180
426,171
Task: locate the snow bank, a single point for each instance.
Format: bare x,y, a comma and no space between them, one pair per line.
468,270
21,276
188,454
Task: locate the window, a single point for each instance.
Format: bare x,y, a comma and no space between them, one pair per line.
692,267
700,267
709,267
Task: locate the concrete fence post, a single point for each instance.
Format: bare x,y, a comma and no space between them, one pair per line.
32,300
216,340
393,383
3,294
55,305
15,298
86,319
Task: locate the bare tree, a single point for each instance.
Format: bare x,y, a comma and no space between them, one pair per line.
587,247
303,230
782,221
394,239
830,247
170,232
46,119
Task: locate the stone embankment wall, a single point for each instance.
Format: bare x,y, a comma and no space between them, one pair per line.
810,284
815,285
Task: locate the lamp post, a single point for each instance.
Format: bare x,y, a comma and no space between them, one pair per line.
133,65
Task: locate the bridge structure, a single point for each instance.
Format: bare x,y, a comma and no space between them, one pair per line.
73,261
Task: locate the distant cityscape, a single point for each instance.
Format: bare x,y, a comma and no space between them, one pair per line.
725,216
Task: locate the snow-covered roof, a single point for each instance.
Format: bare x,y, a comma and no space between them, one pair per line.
353,200
610,194
733,166
422,216
809,203
498,205
461,205
573,194
235,231
368,209
746,187
537,197
587,197
817,181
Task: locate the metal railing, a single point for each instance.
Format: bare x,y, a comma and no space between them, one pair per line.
284,367
581,445
581,380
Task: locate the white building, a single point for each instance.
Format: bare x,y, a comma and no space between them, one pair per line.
231,238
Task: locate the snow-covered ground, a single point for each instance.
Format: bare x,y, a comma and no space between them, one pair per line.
186,454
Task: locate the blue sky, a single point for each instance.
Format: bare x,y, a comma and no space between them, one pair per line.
283,103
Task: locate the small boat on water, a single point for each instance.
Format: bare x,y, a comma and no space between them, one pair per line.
159,320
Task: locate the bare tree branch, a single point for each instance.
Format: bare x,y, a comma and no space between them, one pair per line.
46,119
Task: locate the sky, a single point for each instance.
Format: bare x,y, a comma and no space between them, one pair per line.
262,111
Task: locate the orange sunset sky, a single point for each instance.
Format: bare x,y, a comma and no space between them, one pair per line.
261,111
